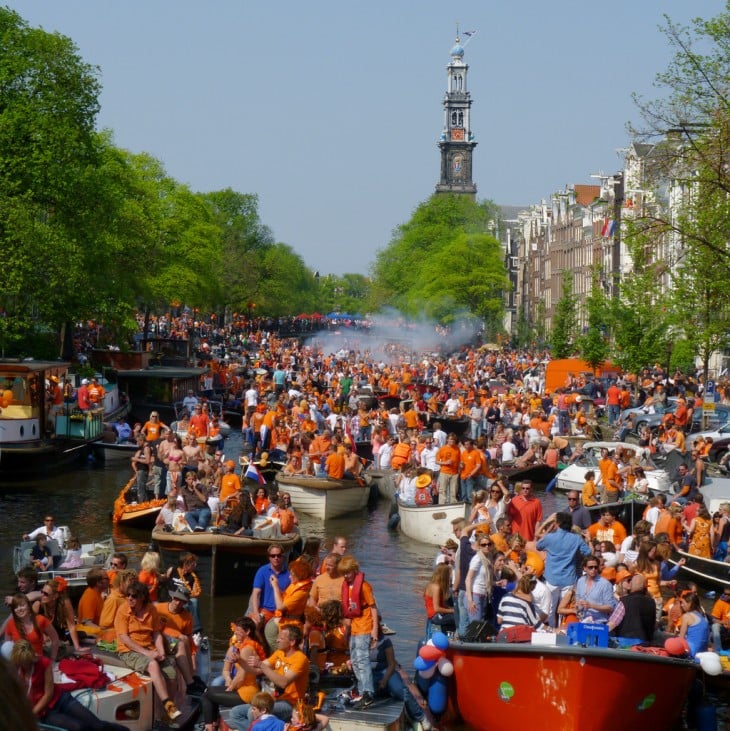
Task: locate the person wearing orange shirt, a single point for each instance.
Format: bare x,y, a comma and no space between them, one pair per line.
720,617
335,466
607,528
471,467
91,603
448,458
152,429
230,482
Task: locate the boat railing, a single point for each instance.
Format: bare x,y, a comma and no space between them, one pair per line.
78,424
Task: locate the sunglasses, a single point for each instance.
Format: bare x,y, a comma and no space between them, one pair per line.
572,499
592,567
47,593
48,520
484,545
274,555
132,596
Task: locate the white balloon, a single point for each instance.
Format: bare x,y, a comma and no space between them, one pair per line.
710,662
445,667
427,674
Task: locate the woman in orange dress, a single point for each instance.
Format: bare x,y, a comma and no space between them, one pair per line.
699,531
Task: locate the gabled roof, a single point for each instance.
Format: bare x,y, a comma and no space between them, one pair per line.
586,194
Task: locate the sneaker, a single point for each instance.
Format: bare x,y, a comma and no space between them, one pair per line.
172,710
426,724
366,700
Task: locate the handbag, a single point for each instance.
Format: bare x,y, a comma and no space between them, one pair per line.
518,633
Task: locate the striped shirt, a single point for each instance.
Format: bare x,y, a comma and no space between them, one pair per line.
513,611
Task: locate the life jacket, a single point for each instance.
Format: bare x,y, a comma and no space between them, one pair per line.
401,455
352,597
423,496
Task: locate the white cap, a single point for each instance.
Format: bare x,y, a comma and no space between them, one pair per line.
85,382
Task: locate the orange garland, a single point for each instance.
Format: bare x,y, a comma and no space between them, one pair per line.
121,507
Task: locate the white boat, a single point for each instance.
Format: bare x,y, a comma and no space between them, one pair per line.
573,476
92,554
430,523
324,498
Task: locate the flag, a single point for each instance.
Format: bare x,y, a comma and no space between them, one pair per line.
612,229
469,33
252,472
604,230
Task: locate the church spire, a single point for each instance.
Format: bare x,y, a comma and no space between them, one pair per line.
457,139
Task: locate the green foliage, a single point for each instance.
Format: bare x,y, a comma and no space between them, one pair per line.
593,345
565,321
443,263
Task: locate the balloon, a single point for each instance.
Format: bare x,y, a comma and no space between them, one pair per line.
8,395
445,667
438,695
440,640
4,403
676,646
429,672
420,664
535,562
710,662
429,652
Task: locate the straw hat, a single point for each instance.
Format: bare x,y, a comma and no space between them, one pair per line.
423,481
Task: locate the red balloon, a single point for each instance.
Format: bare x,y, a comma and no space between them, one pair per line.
429,652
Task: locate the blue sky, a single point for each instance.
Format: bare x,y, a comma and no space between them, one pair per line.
330,111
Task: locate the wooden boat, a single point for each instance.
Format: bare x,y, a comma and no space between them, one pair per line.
384,481
540,474
430,523
92,554
225,562
324,498
33,435
562,688
114,451
703,571
132,513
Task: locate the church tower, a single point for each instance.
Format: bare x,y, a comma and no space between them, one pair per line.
457,140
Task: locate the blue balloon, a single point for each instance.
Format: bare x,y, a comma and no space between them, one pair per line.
440,640
438,695
420,664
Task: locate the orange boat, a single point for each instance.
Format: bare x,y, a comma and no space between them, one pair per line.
501,686
139,515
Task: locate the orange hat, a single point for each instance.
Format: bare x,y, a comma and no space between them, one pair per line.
230,463
623,574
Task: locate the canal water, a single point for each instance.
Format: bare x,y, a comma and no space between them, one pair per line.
82,499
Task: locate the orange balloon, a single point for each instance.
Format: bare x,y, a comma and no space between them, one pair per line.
8,395
4,403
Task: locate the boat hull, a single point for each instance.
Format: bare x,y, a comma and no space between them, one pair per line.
565,688
323,498
225,562
384,482
539,473
703,571
430,523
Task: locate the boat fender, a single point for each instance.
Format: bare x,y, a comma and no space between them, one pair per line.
393,521
710,662
438,694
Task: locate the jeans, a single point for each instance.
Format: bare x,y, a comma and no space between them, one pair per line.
142,477
159,478
360,659
241,716
198,518
399,690
480,603
69,714
613,414
467,488
463,619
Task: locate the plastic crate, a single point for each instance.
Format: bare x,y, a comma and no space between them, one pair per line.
588,635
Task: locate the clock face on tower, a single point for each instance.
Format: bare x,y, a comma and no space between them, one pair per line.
457,135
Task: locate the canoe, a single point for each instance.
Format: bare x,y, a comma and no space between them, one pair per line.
225,562
703,571
544,688
139,515
324,498
430,523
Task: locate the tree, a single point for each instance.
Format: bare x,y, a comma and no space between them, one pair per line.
48,107
565,321
593,345
442,260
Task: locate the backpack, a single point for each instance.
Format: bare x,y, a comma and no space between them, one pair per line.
84,672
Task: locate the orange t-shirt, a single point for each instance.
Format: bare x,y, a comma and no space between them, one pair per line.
138,629
230,485
452,457
363,625
335,466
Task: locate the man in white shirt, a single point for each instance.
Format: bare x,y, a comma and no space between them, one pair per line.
48,529
509,451
251,397
190,401
452,406
428,455
385,456
439,435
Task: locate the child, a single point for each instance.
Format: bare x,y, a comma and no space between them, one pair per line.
40,554
261,707
73,555
150,573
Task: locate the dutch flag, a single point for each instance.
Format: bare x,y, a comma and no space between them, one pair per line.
252,472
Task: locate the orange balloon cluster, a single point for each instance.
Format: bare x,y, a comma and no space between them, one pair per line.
6,399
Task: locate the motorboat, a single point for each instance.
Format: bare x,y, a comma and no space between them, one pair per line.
660,478
127,511
430,523
323,497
